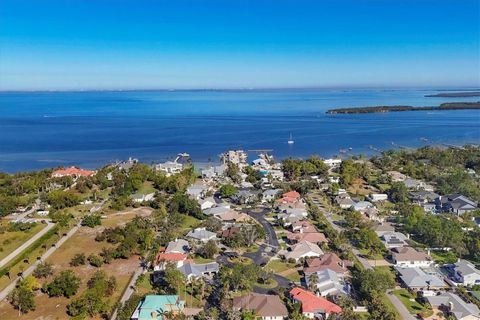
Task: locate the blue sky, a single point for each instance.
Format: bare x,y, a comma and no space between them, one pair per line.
135,44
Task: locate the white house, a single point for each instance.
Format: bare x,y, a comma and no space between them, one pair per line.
304,249
466,273
206,203
333,163
143,197
197,191
408,257
375,197
202,234
362,205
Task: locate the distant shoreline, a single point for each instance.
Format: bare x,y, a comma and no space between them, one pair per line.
380,109
455,95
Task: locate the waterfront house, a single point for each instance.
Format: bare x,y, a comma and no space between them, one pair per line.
266,307
465,273
333,163
408,257
169,167
312,305
154,307
73,172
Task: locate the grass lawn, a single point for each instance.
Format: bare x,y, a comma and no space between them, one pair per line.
444,257
146,188
253,248
122,217
81,242
143,285
190,301
10,240
364,252
270,284
357,188
32,256
241,260
189,223
200,259
294,276
277,266
405,297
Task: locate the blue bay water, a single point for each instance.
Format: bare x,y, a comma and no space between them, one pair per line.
89,129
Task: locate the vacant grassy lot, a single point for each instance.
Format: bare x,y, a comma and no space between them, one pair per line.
10,240
277,266
82,242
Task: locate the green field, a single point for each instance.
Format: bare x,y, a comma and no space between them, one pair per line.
10,240
409,301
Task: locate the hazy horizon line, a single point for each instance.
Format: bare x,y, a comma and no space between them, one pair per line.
426,88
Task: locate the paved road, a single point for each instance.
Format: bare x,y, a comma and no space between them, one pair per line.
402,310
338,228
260,218
404,314
26,244
130,289
4,293
98,206
20,216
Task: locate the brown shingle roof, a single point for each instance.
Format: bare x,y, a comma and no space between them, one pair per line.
264,305
327,261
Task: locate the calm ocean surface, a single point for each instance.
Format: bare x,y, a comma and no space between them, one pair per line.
89,129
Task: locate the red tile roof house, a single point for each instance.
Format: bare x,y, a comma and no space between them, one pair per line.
314,306
289,197
162,259
72,172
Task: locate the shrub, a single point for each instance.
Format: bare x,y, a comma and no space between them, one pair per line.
78,259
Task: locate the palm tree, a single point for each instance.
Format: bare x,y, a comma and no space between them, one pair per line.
313,281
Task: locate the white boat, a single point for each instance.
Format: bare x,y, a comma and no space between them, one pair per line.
290,140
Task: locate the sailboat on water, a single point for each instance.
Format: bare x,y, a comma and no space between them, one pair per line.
290,140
